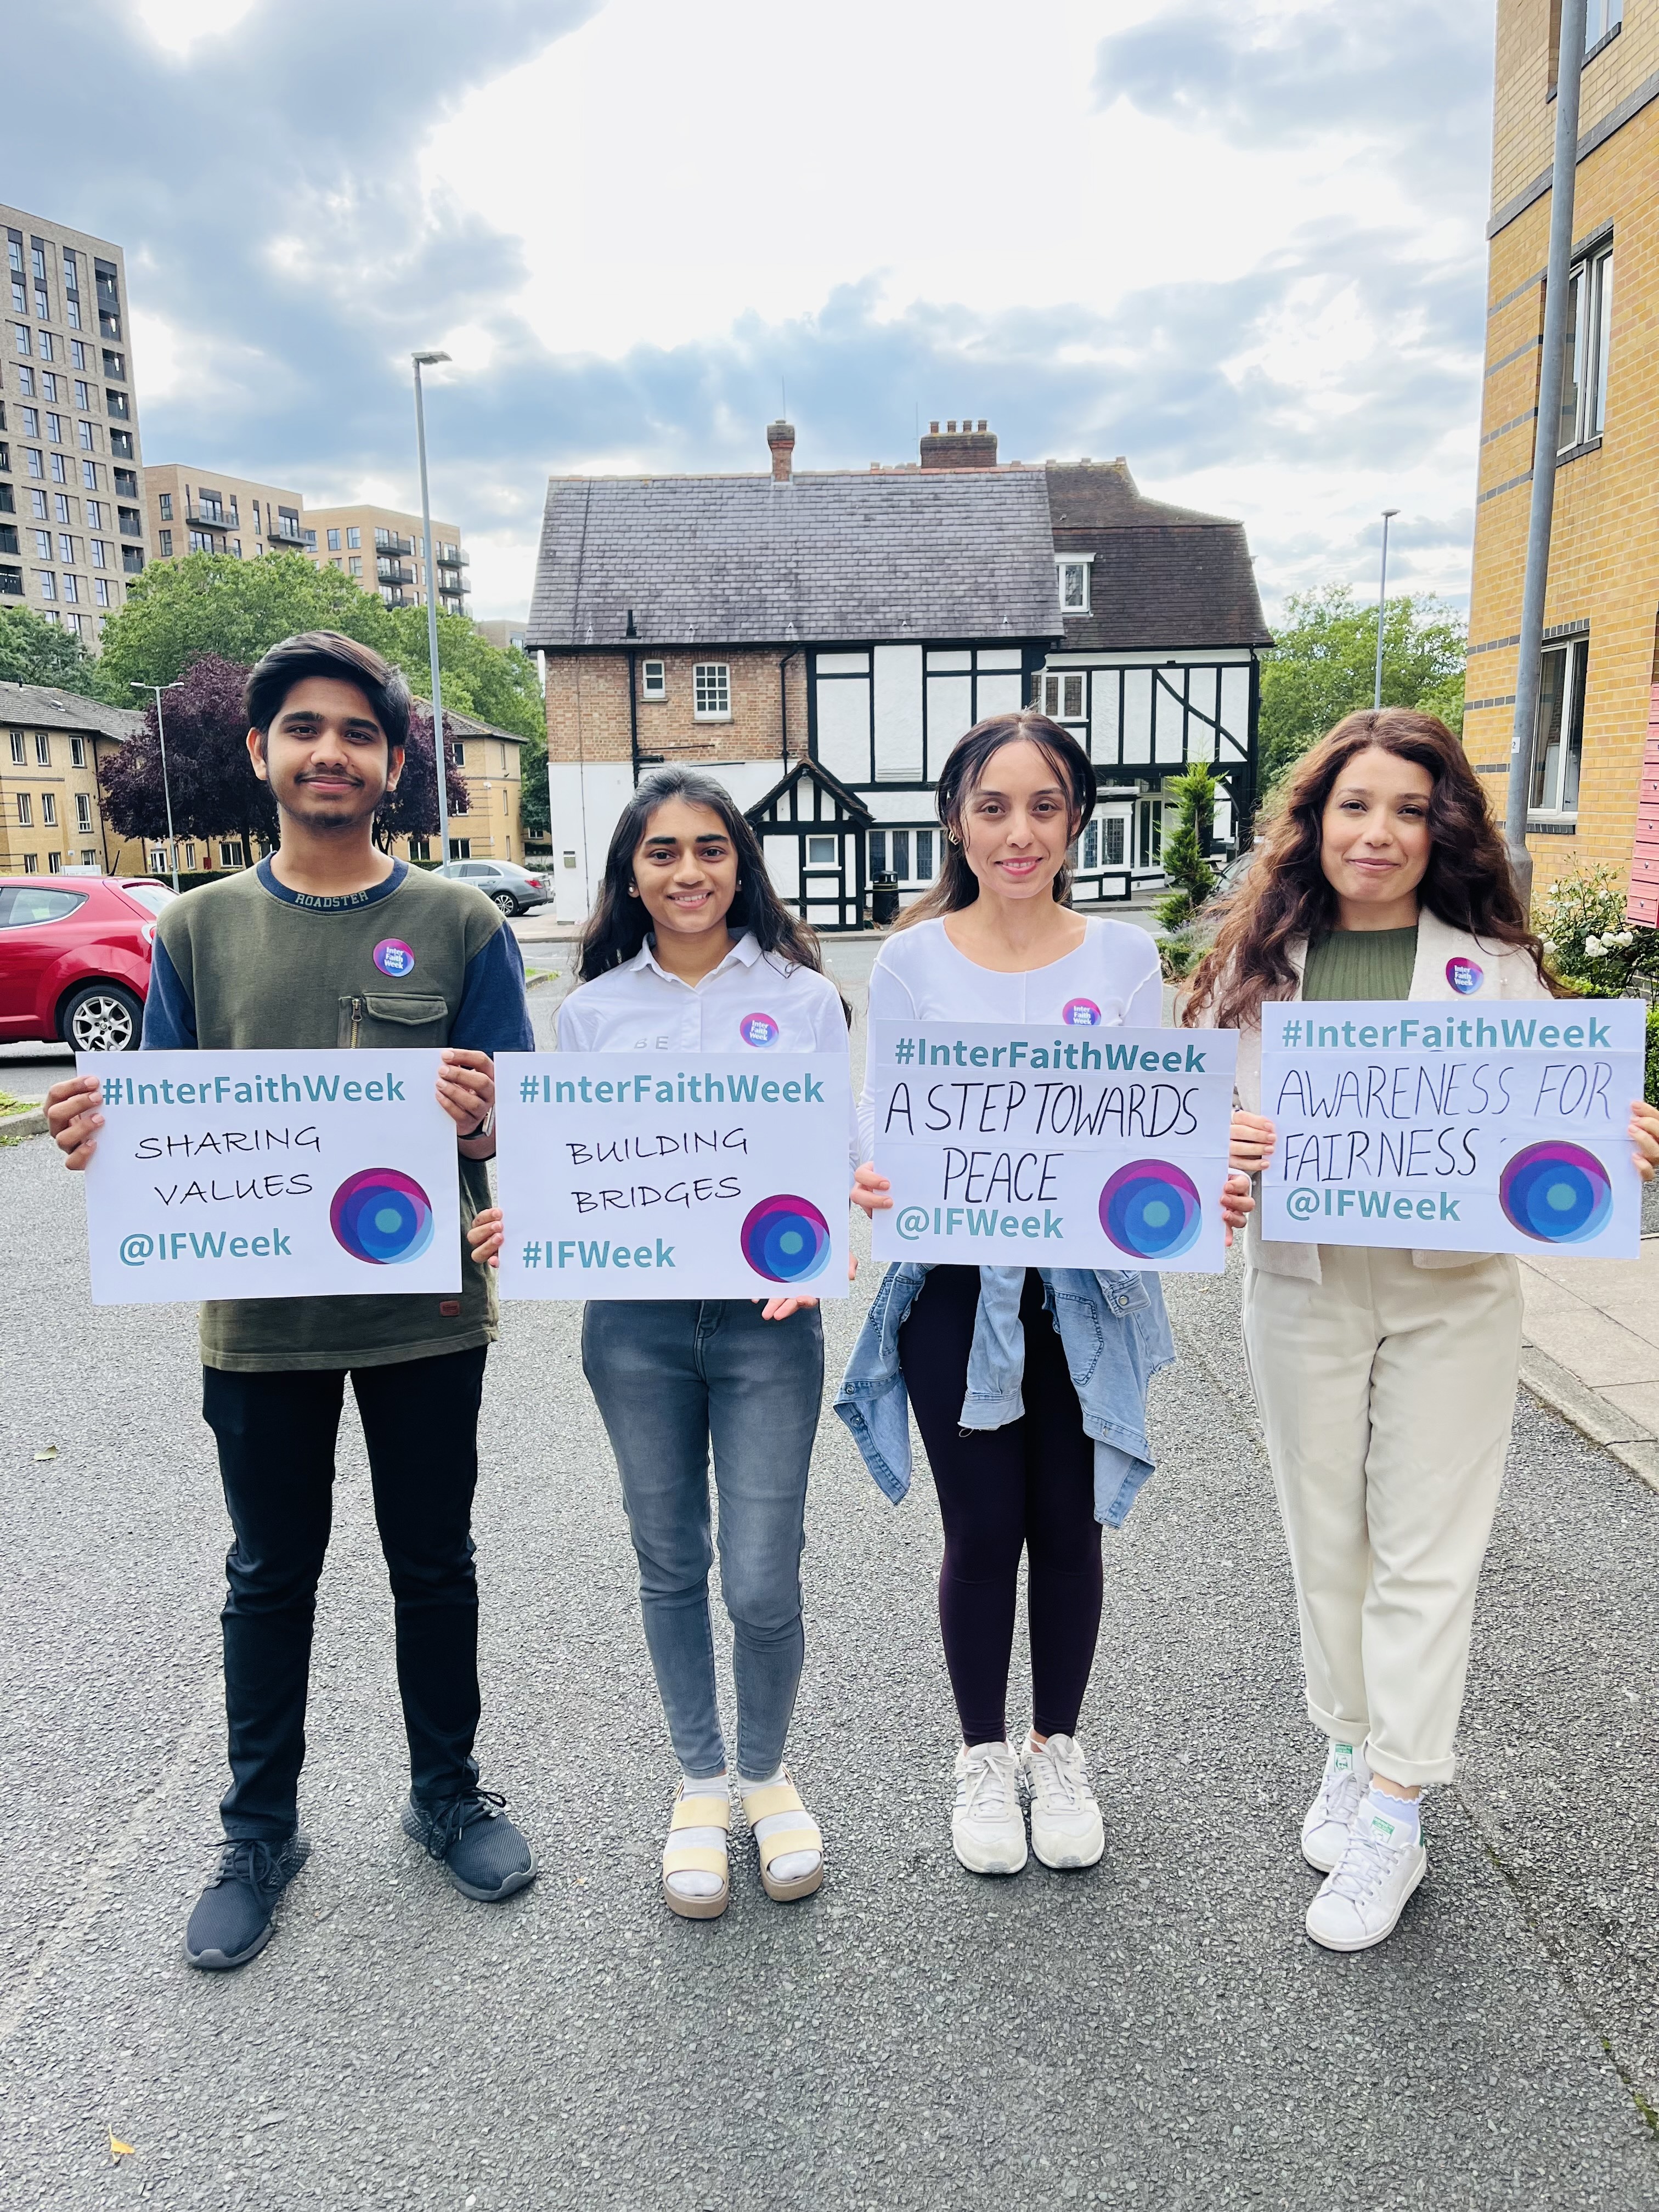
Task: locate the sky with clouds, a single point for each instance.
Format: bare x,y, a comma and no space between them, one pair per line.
1240,241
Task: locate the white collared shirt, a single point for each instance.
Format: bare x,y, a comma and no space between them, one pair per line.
754,1001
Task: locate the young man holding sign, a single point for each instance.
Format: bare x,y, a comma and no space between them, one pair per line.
328,942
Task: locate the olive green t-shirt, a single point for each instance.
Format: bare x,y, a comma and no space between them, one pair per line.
247,964
1361,964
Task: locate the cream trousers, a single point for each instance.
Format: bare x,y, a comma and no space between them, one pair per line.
1387,1392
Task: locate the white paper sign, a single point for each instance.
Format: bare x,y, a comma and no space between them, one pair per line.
271,1175
624,1175
1023,1147
1491,1127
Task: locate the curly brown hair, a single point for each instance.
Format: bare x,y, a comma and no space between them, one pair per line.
1468,884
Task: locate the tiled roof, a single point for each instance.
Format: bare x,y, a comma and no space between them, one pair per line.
1163,576
457,724
43,706
740,560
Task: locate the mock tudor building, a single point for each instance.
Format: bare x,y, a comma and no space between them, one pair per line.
819,642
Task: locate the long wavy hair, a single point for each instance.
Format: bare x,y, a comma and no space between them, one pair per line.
619,924
1468,884
961,776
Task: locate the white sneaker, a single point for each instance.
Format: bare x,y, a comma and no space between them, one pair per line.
987,1829
1067,1830
1328,1819
1359,1903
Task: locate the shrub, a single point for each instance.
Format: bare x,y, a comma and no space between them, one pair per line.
1586,942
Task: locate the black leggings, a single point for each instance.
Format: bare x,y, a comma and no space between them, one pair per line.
1028,1487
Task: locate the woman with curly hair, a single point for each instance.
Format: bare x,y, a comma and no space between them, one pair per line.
1386,1379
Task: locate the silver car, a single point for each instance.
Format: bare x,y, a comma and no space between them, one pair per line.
514,888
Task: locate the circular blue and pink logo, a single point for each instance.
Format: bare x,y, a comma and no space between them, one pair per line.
1080,1014
1556,1192
1152,1211
758,1029
785,1239
1464,976
382,1215
393,957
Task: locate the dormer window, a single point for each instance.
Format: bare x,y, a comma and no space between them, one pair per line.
1072,570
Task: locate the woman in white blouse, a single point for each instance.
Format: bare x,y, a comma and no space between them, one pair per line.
689,949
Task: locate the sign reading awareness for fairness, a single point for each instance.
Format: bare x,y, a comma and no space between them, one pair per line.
625,1175
1081,1147
271,1175
1495,1129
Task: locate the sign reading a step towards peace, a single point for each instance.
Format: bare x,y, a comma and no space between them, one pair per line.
1074,1146
1455,1127
271,1175
624,1175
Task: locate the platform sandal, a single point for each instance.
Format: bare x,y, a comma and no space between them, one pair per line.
696,1844
781,1825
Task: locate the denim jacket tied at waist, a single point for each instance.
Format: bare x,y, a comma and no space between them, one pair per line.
1115,1335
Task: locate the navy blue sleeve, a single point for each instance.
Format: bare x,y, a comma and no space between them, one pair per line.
494,1015
169,1010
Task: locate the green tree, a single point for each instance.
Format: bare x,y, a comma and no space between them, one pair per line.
1323,666
34,651
1191,877
211,603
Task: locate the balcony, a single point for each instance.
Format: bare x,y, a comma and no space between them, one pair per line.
395,596
393,572
209,518
448,593
456,559
131,523
132,560
390,548
117,404
11,584
281,532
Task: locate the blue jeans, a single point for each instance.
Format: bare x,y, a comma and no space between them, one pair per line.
671,1377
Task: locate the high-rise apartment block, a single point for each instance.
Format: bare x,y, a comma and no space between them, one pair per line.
196,510
383,550
72,530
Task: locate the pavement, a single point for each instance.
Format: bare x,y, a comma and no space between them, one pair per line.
1157,2031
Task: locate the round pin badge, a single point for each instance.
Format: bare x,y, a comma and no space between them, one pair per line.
393,957
1464,976
1080,1014
758,1029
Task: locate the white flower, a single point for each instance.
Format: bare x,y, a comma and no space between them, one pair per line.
1593,947
1548,944
1625,937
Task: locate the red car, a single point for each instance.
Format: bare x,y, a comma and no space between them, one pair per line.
75,953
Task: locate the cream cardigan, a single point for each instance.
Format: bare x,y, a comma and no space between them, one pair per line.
1504,973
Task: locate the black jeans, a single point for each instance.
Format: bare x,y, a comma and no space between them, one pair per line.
1027,1487
276,1435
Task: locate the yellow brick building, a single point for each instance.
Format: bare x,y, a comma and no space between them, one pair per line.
51,819
1603,599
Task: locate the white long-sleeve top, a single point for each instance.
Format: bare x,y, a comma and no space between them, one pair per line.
754,1001
1112,980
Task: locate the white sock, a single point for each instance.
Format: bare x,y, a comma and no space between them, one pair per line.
692,1882
789,1866
1400,1814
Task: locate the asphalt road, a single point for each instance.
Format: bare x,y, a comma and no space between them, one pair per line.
1155,2033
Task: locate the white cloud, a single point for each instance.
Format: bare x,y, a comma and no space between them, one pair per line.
177,25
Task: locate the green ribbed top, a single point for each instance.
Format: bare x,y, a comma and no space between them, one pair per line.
1361,964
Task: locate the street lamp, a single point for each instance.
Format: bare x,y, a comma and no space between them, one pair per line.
160,740
1389,513
428,361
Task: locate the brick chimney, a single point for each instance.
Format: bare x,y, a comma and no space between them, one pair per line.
780,441
967,447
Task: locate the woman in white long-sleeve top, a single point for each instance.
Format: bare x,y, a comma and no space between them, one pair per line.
1386,1378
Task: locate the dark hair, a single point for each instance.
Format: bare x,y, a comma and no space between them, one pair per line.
1285,894
961,776
619,924
326,652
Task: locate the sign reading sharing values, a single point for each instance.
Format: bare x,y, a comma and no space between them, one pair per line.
1064,1148
665,1175
271,1175
1496,1128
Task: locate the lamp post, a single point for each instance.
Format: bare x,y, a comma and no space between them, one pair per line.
160,740
1547,440
439,762
1389,513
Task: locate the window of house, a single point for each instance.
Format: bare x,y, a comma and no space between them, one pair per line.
49,809
26,382
458,750
1601,18
101,587
653,680
230,849
17,748
78,360
47,582
78,752
166,506
24,810
83,438
460,848
72,592
1584,349
1557,748
1062,697
821,852
334,547
420,849
711,692
83,811
354,538
164,543
25,339
158,861
355,564
924,856
43,545
89,482
188,858
1074,576
31,421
